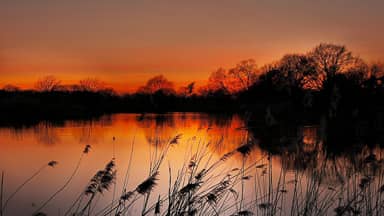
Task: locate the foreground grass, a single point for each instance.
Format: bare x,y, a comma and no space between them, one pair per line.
203,185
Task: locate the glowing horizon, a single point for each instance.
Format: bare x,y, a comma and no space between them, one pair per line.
124,43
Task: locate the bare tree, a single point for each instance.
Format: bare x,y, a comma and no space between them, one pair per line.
219,81
203,90
244,74
157,83
358,73
48,83
236,79
187,90
91,85
298,71
376,75
377,69
11,88
331,59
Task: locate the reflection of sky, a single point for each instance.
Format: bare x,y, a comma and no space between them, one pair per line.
26,150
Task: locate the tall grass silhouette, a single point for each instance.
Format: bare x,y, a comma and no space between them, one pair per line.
239,182
85,151
13,194
1,193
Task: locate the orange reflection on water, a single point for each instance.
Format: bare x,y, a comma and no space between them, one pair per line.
24,150
27,149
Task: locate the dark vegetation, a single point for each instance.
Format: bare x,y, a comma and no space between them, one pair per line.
328,85
327,81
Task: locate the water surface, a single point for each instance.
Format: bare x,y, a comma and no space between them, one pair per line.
25,149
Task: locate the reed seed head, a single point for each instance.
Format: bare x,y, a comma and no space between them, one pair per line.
147,185
52,163
87,149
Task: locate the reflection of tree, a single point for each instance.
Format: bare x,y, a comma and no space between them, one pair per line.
224,132
210,121
87,132
90,131
299,147
340,169
305,151
157,128
302,159
46,133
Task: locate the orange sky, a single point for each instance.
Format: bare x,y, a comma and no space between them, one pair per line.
126,42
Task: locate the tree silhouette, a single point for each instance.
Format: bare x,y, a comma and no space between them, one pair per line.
157,84
219,81
48,83
375,76
297,71
91,85
186,91
296,82
244,74
331,59
357,74
377,69
11,88
236,79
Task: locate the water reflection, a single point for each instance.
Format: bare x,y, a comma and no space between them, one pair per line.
45,134
303,149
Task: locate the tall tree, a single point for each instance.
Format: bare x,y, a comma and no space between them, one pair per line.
331,59
219,81
297,71
236,79
244,74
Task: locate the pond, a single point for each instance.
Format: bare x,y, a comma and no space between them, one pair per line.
207,164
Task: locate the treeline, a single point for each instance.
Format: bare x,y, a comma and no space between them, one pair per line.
329,80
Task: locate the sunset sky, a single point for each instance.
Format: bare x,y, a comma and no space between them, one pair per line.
125,42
